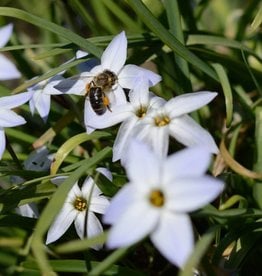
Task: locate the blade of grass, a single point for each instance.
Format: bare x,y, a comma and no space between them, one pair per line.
174,20
157,28
227,92
121,15
200,249
108,262
54,28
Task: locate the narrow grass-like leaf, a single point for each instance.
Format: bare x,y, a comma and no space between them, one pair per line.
227,92
76,266
174,20
156,27
80,245
258,139
122,15
49,74
194,39
103,17
232,201
109,261
70,144
251,73
235,166
257,20
20,135
52,27
200,249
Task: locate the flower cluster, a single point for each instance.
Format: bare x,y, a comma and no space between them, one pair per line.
162,188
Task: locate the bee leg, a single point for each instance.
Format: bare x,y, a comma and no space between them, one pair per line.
106,103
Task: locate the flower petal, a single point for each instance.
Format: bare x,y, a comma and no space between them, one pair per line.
123,134
119,203
159,140
61,223
174,237
186,131
9,118
186,163
2,142
188,102
99,204
189,194
5,33
42,104
114,56
141,164
131,73
94,228
139,95
8,71
49,88
105,172
140,218
74,85
28,210
13,101
81,224
109,118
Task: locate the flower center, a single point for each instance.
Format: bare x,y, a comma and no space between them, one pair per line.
141,112
80,204
157,198
162,120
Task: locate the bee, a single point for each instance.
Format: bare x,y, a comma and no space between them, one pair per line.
97,89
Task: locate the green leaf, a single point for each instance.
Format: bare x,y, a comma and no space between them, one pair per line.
72,143
200,249
156,27
52,27
257,20
227,92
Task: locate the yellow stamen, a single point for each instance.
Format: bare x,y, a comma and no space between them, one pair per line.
80,204
162,121
141,112
157,198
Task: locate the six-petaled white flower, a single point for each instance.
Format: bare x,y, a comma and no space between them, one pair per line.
157,199
171,119
79,207
112,60
8,70
9,118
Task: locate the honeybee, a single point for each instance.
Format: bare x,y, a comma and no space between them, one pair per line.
97,89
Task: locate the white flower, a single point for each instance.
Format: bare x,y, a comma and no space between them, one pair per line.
8,70
130,114
172,119
157,199
41,99
112,60
79,207
9,118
